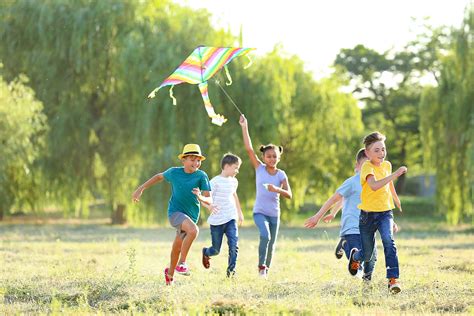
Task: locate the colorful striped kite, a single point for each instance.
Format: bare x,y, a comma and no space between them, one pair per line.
203,63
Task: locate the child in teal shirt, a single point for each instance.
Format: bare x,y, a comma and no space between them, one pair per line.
189,186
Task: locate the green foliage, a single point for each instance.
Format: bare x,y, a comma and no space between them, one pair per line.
22,129
389,86
448,126
93,63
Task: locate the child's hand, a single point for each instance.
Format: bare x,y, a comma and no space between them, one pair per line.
196,191
213,209
243,121
401,171
137,194
312,221
241,219
270,187
328,218
396,229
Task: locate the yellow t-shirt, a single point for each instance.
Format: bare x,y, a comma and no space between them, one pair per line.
382,199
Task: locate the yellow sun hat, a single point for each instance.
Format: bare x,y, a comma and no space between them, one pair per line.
191,150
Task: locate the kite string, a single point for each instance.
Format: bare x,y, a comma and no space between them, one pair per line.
225,92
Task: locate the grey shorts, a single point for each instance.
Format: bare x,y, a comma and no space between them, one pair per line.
176,220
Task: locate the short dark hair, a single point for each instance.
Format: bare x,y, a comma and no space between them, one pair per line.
264,148
373,138
230,159
360,154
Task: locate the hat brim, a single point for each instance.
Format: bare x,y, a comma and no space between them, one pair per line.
181,156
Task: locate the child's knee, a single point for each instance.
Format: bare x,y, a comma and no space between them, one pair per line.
265,238
192,230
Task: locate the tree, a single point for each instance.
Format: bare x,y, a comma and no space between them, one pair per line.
447,126
22,129
388,84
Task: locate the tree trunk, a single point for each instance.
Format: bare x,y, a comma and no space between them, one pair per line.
118,216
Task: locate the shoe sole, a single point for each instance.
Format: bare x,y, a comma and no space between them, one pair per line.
351,256
187,273
339,251
395,290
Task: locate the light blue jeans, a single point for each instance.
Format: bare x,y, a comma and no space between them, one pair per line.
268,227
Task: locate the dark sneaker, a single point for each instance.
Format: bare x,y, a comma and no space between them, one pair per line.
230,273
168,278
205,259
367,277
339,251
354,265
394,286
262,271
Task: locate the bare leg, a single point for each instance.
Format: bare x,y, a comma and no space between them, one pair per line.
192,231
175,250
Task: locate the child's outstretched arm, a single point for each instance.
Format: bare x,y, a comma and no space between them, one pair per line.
314,220
334,210
206,200
395,196
377,184
139,191
239,209
248,142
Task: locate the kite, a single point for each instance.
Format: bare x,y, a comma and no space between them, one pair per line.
203,63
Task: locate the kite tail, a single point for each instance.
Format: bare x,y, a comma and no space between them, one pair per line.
172,95
229,78
153,93
216,118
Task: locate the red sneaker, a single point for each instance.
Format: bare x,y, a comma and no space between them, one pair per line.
262,271
168,278
182,268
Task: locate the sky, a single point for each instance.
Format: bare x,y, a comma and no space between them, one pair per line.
316,30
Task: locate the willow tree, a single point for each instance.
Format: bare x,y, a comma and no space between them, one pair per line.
22,128
286,106
92,64
447,123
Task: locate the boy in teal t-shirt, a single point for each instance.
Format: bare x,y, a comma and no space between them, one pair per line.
189,186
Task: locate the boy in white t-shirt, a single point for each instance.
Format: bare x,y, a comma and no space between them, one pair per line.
224,221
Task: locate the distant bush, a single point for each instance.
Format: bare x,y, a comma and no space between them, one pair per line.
419,206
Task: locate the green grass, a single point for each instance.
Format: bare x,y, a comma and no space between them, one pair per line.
84,269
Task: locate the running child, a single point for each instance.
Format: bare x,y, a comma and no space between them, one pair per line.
376,209
229,214
271,183
349,194
189,186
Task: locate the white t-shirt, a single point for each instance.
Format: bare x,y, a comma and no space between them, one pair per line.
223,189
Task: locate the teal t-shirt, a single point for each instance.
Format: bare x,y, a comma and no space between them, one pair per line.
182,184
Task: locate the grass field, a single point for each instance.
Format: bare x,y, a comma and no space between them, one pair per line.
84,269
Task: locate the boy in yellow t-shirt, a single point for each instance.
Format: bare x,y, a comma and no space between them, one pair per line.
377,197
